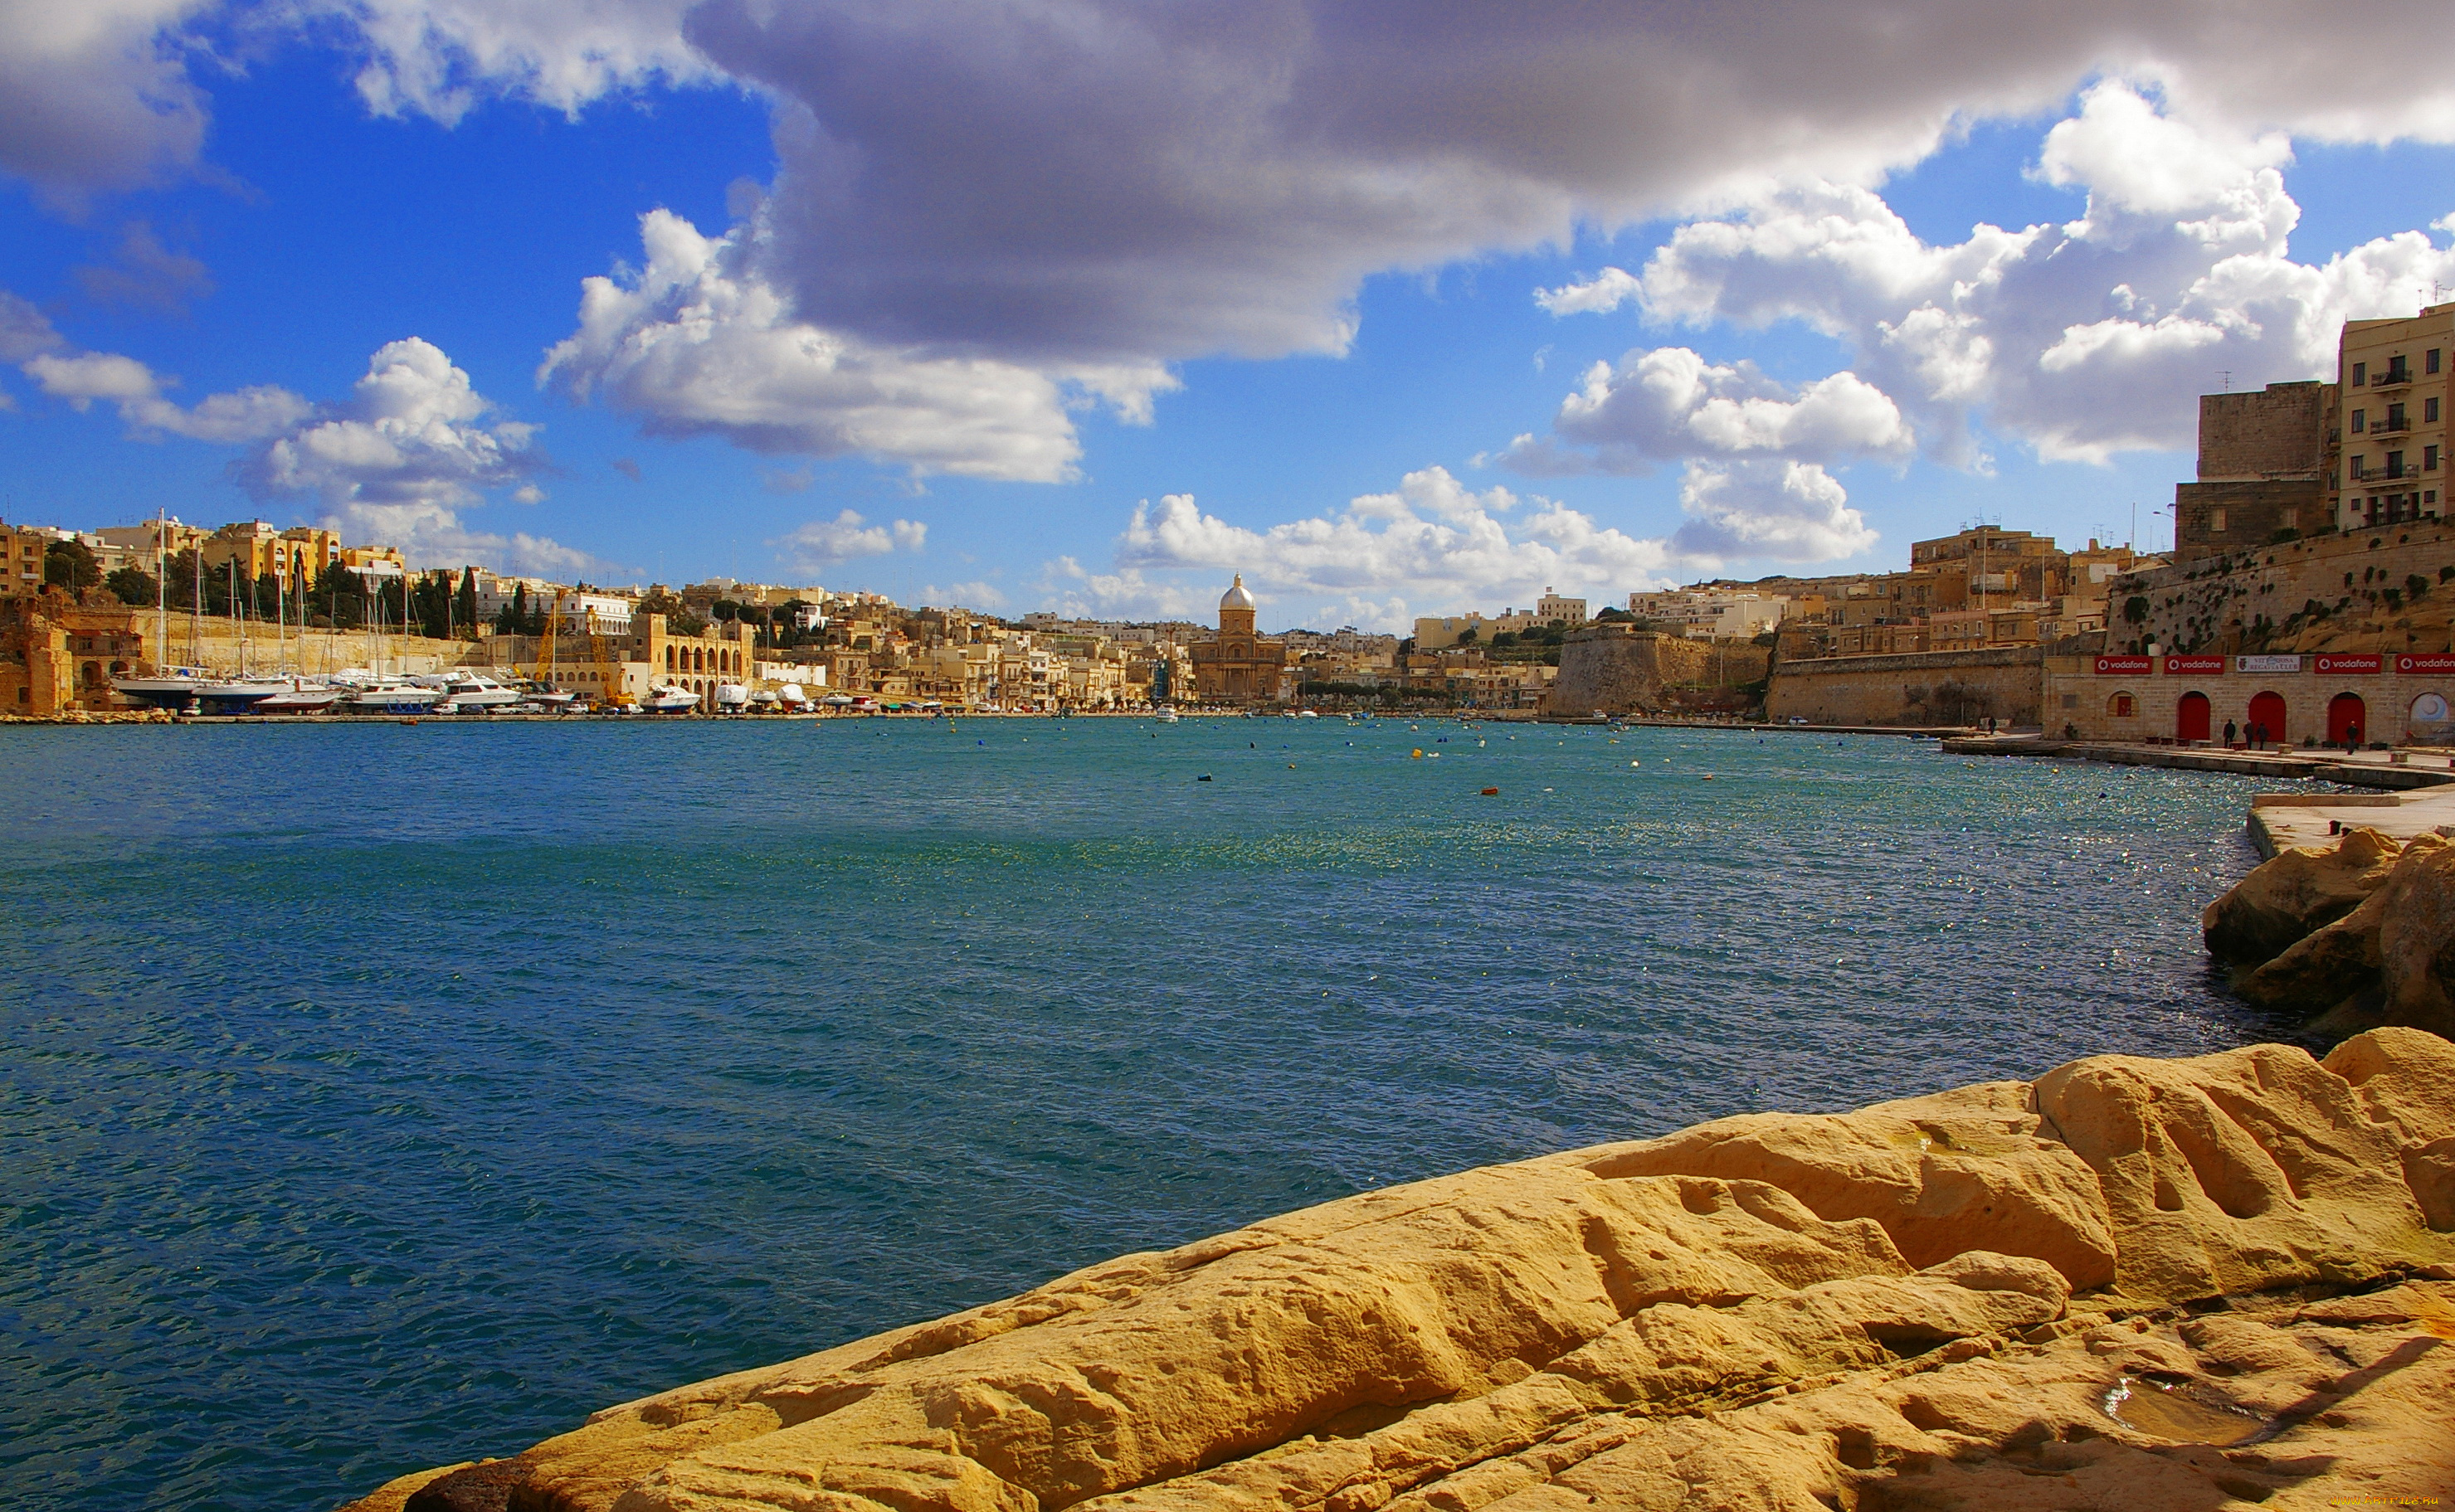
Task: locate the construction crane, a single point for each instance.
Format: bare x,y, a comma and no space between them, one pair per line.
545,644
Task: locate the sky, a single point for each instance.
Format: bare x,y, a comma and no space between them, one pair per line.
1084,305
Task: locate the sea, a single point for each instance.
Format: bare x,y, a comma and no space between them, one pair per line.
374,1097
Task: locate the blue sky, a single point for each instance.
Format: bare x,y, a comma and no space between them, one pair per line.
928,323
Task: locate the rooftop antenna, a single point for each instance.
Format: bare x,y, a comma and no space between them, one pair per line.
2226,374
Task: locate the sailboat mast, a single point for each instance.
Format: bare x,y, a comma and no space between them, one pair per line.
161,590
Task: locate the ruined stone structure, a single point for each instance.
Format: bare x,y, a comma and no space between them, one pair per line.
1926,688
1611,667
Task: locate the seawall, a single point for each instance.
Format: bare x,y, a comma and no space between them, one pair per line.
2131,1283
1921,688
1613,669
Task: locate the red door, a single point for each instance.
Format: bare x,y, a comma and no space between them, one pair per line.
2345,719
2268,709
2191,717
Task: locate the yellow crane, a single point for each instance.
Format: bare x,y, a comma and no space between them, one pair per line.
545,645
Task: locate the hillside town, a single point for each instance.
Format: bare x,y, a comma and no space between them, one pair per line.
2311,534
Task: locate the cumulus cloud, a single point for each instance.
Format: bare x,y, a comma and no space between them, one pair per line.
698,343
1669,403
396,462
821,543
1766,510
2082,338
82,377
96,96
1433,540
439,58
980,593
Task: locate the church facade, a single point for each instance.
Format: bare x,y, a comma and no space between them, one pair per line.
1240,666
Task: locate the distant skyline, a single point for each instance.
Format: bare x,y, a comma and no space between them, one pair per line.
1085,307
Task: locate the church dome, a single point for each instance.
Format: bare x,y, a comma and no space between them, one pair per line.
1237,596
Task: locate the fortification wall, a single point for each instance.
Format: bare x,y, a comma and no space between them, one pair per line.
2354,590
1615,670
1935,687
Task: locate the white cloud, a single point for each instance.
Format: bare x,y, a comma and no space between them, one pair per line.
96,94
397,461
1767,510
698,343
246,415
980,593
2082,339
1432,541
1669,403
439,58
821,543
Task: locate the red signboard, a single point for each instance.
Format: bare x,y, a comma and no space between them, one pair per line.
2126,666
2194,666
2438,662
2368,661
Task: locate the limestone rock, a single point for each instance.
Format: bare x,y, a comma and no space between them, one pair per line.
2417,939
2325,967
1926,1304
2298,891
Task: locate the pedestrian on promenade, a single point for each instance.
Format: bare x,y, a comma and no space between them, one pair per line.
2229,729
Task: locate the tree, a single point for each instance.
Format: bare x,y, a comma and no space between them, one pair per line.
464,608
133,585
678,618
2135,609
512,620
1613,613
1466,637
71,564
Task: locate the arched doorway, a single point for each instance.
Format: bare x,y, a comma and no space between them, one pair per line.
2121,706
2268,710
2191,717
2347,718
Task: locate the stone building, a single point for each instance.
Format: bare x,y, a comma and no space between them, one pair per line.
59,652
2296,698
1240,666
2396,377
2262,470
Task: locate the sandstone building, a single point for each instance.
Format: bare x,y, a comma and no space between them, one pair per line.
1240,666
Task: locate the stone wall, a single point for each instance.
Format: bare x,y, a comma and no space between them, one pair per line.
1613,669
2346,592
2406,699
1927,688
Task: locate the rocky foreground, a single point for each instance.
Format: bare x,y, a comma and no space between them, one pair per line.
2132,1283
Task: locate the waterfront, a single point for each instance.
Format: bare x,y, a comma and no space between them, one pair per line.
369,1095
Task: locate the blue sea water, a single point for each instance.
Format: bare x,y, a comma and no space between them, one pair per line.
376,1096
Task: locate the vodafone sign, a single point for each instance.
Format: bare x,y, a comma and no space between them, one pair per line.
2436,662
2368,662
2126,666
2194,666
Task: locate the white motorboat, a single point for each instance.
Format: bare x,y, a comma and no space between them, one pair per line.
732,697
473,693
387,697
793,697
1168,716
298,695
669,701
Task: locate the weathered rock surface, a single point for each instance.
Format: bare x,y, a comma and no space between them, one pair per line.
2294,893
2389,960
2132,1283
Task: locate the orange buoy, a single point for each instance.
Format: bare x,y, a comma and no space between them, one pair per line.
1491,793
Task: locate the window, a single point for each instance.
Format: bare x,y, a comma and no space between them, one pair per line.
2429,360
2394,464
2360,374
2395,417
2429,459
2361,421
2353,467
2430,411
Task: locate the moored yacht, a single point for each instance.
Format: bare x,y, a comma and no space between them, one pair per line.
669,701
471,692
193,692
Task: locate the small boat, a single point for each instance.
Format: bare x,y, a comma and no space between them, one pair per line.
793,697
390,697
1168,716
300,696
193,692
669,701
473,692
732,697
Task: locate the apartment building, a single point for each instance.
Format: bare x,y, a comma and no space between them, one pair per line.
2395,376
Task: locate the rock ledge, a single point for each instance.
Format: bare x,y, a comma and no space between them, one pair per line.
2131,1283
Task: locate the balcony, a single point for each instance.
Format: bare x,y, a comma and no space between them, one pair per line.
2392,378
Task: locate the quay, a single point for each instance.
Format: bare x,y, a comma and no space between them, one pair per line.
2418,784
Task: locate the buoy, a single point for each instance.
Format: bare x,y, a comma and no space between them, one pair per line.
1636,763
1708,776
1205,777
1416,755
1291,766
1491,793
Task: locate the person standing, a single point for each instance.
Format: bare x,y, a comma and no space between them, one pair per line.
2229,732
